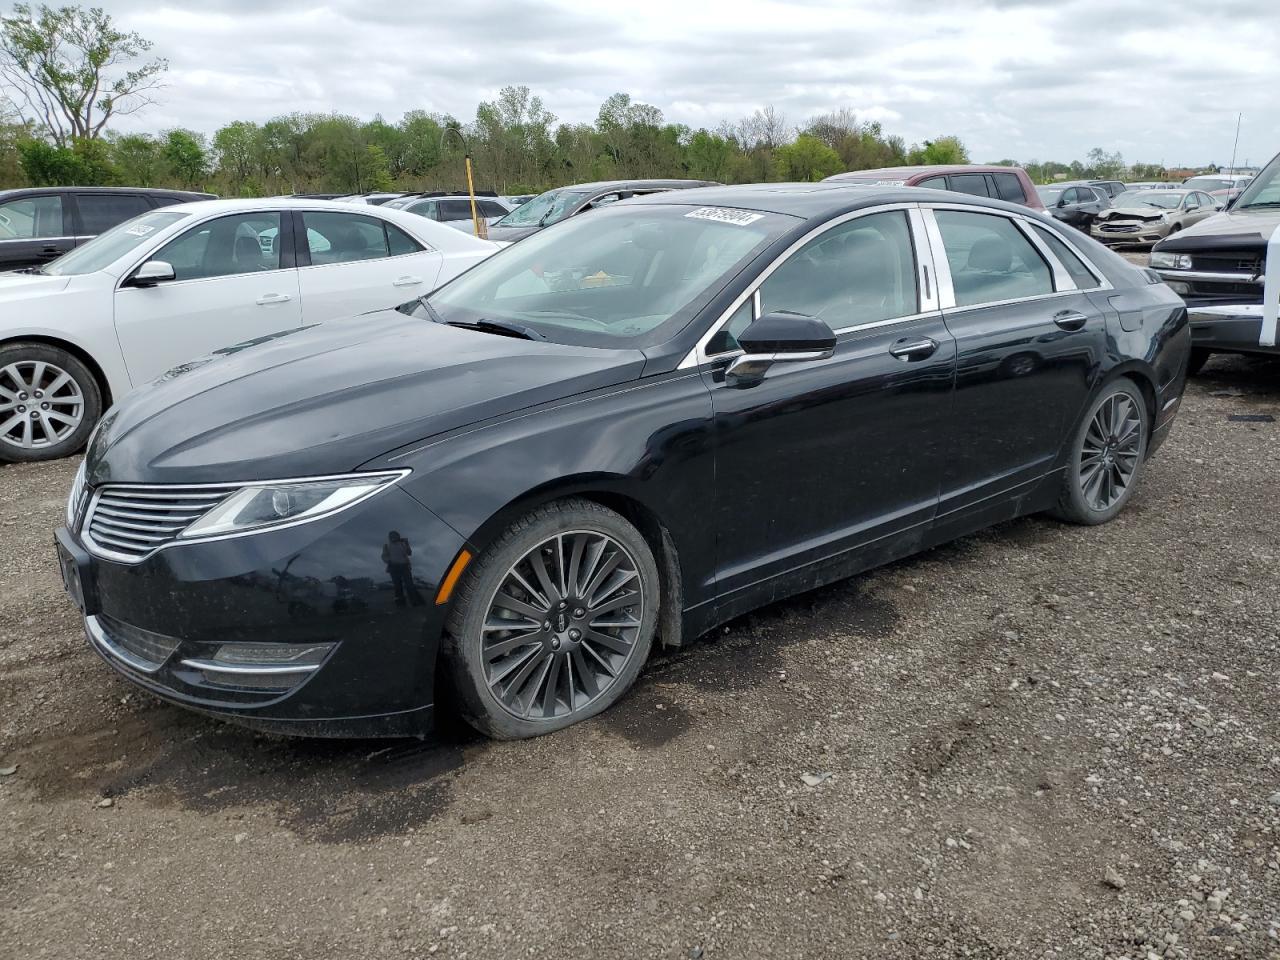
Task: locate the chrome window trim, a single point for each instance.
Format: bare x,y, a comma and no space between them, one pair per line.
698,355
1169,273
1061,278
1098,275
1023,224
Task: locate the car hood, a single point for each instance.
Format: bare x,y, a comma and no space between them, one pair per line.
1230,229
328,398
1121,210
15,285
511,234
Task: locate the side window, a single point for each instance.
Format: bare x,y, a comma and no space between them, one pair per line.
859,272
1081,274
1191,202
401,242
31,217
455,209
604,201
1009,187
487,208
726,338
1206,200
344,237
974,184
1070,195
990,259
100,212
242,243
934,183
426,209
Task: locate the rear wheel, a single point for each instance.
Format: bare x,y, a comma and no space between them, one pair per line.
554,621
1106,456
49,402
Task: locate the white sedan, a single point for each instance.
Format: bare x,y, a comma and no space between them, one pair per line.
177,283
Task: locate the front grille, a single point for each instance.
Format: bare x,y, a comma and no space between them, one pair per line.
129,522
1230,262
1120,227
139,648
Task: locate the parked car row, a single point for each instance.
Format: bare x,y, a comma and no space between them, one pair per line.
176,283
622,430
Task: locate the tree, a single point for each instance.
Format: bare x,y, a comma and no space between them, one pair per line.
185,156
1103,165
708,156
67,69
945,150
808,158
238,146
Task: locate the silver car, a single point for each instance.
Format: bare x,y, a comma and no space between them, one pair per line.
1144,217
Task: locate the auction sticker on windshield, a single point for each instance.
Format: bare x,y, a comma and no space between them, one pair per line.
140,230
739,218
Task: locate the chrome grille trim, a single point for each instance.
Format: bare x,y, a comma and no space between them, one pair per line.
141,649
127,522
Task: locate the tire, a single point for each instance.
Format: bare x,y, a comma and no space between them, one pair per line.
1199,357
544,678
1098,463
64,416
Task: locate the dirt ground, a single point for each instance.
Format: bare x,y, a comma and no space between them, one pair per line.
1042,741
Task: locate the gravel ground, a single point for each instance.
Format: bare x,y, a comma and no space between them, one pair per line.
1041,741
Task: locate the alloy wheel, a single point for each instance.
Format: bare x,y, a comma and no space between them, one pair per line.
1111,451
40,404
562,625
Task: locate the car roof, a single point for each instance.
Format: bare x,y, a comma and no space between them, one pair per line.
815,201
904,173
143,191
639,185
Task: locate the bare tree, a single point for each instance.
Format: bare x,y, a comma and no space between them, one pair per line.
68,69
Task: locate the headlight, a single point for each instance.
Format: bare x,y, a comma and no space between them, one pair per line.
75,499
1171,261
272,504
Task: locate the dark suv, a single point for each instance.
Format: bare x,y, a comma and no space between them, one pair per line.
1000,183
39,224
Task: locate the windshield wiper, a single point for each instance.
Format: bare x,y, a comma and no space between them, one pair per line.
500,327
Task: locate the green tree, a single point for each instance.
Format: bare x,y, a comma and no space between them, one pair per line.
185,157
945,150
709,155
137,158
84,163
808,158
70,70
238,147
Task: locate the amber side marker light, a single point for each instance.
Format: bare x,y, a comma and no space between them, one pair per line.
451,578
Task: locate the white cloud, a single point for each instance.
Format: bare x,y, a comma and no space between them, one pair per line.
1012,78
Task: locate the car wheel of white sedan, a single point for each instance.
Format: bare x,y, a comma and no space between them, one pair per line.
49,402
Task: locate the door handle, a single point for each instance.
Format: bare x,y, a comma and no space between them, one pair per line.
406,281
913,348
1070,319
270,298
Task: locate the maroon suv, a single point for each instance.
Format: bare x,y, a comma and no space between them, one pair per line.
1001,183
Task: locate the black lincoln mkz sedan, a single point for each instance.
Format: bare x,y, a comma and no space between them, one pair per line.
634,426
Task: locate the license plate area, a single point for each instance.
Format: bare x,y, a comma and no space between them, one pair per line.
76,568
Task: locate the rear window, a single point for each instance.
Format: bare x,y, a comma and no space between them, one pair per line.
974,184
1083,277
1009,187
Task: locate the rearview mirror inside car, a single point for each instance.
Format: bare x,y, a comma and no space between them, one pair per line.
779,338
151,273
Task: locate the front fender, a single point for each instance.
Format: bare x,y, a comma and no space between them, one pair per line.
649,442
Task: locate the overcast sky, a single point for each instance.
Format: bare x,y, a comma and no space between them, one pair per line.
1027,79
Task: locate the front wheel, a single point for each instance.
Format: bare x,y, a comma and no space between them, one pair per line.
49,402
1106,456
554,621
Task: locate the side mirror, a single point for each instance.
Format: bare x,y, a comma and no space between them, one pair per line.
779,338
151,273
1062,201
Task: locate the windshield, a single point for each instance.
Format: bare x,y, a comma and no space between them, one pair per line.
554,205
1048,194
1209,183
107,248
1164,199
624,277
1263,190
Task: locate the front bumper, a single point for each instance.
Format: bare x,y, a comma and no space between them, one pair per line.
1231,328
1122,232
160,622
